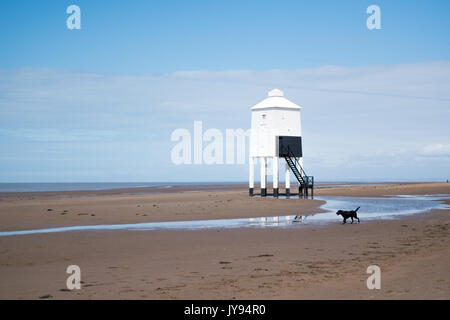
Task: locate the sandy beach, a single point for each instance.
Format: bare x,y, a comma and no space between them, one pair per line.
324,262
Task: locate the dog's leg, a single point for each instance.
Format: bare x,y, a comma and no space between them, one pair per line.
352,219
345,221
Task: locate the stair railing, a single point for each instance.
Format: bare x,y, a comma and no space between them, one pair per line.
306,180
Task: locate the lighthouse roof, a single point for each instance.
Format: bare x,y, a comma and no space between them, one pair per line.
276,99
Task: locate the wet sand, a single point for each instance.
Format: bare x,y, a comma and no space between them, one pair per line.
41,212
306,263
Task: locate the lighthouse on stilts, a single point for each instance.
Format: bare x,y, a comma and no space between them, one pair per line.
276,133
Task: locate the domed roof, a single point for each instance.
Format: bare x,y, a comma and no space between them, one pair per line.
276,93
276,99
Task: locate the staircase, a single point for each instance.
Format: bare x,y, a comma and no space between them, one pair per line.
306,182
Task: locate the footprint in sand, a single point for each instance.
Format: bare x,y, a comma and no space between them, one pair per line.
261,256
391,292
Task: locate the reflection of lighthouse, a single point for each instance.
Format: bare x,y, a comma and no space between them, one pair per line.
276,132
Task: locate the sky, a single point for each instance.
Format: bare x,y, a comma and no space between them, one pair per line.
101,103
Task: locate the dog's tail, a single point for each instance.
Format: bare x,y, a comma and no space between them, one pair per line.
357,209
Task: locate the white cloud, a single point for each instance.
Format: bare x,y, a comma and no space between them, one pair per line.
59,135
358,117
436,150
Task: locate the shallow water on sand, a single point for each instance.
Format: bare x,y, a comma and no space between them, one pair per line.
379,208
371,209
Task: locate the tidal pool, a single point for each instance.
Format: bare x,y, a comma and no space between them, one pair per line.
371,209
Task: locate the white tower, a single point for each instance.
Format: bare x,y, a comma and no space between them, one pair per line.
276,132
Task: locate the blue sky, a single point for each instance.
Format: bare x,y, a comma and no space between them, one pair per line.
100,103
165,36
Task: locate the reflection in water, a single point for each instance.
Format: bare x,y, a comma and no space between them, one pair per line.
375,208
371,208
380,208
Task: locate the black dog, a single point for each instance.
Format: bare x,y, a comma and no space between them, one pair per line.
348,214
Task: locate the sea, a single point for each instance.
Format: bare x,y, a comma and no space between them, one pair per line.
96,186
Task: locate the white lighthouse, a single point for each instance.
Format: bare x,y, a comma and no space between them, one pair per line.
276,133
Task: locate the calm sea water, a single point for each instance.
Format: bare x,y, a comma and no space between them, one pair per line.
95,186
